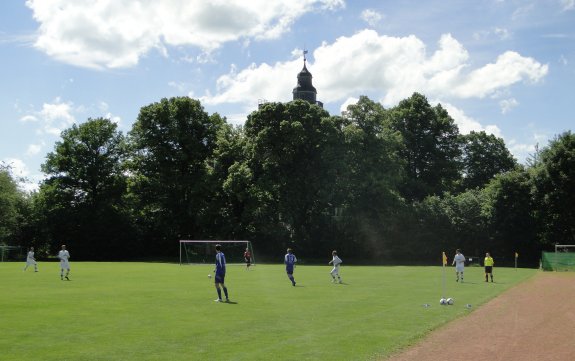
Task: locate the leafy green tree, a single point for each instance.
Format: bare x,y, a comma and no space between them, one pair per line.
554,195
370,174
432,152
13,204
428,230
484,156
172,144
87,162
444,223
82,198
230,176
509,212
292,150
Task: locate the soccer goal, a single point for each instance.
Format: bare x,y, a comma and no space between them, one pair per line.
203,251
563,259
9,253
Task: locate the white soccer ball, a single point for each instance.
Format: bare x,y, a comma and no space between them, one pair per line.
209,276
449,301
443,301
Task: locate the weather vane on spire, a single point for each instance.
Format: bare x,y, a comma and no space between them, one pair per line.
304,52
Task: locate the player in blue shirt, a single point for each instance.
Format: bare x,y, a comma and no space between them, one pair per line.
290,261
220,273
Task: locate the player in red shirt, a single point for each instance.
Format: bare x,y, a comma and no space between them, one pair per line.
248,258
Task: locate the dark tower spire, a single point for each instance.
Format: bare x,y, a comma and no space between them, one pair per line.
305,89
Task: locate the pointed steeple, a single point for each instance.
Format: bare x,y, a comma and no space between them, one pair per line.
305,89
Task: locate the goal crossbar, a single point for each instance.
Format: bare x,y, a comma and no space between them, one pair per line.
563,247
202,251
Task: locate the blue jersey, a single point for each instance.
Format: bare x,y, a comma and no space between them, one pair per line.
220,264
290,261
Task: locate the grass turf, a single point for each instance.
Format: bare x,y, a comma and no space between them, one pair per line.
154,311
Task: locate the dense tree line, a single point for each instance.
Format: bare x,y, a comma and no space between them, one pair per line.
398,185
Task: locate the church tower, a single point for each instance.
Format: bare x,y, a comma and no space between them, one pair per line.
305,89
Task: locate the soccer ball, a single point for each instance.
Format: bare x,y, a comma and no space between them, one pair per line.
443,301
209,276
449,301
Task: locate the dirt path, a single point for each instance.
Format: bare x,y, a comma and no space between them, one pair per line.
534,321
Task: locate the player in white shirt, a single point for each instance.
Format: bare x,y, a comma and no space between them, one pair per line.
64,256
30,260
459,262
336,261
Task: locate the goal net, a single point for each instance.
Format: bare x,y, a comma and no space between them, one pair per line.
204,252
10,253
563,259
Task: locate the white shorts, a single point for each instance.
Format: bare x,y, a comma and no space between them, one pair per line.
335,271
30,262
64,264
459,268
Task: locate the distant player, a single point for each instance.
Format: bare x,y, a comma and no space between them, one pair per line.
459,262
248,258
220,274
64,256
336,261
290,261
30,260
488,263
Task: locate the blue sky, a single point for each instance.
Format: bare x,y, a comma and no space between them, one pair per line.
503,66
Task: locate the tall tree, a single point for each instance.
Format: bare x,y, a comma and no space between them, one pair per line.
484,156
13,203
87,162
172,144
82,197
554,185
292,155
372,170
231,179
431,147
509,211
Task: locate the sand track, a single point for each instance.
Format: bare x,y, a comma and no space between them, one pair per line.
534,321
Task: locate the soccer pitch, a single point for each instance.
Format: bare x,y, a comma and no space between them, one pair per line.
155,311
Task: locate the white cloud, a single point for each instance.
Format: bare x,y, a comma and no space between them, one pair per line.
502,33
34,149
371,17
347,102
103,107
567,5
53,118
117,33
521,151
17,166
508,104
392,68
56,116
29,118
522,11
524,150
256,82
113,118
499,33
467,124
510,68
26,180
178,85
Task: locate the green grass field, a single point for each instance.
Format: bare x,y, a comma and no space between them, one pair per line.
154,311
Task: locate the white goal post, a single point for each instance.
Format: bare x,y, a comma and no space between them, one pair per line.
203,251
564,248
6,252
